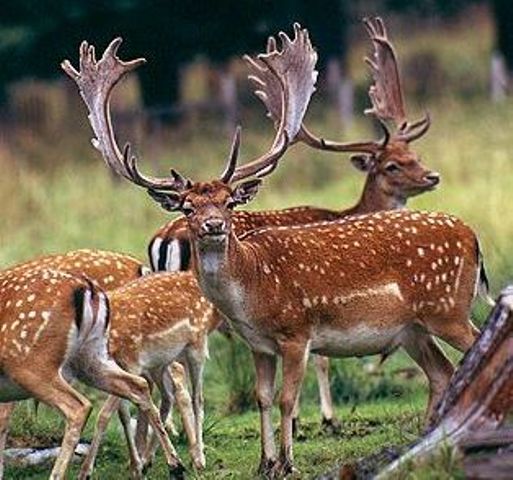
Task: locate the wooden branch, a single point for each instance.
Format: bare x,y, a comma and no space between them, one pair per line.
479,396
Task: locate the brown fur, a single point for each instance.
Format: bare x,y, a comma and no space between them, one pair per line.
40,325
155,320
374,282
382,191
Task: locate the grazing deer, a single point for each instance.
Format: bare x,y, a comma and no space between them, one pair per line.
154,321
60,322
394,172
360,285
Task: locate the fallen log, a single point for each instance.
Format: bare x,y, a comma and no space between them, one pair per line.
476,402
25,457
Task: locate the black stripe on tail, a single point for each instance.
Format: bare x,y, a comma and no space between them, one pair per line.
161,264
483,284
78,304
185,254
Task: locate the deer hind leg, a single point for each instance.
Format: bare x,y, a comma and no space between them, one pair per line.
196,364
173,382
117,382
108,408
322,369
6,410
141,434
428,355
75,408
136,464
265,367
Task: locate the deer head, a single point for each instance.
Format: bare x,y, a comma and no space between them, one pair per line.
390,162
207,205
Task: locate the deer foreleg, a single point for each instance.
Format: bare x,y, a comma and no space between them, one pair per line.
295,356
265,367
184,404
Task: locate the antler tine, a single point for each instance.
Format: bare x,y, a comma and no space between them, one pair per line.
386,94
285,81
96,81
413,131
229,170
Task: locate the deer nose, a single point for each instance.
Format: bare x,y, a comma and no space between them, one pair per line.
433,178
213,226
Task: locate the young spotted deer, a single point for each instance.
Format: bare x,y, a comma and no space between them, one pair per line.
361,285
112,270
155,320
60,323
394,172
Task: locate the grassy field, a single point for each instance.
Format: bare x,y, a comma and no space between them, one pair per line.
75,204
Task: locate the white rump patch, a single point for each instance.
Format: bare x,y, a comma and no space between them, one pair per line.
173,259
155,250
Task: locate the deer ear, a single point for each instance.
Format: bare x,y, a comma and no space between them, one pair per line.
245,192
362,162
171,201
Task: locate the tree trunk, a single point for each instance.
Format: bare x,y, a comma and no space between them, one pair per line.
503,12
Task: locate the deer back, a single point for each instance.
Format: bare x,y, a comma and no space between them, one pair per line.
105,268
158,313
170,250
423,263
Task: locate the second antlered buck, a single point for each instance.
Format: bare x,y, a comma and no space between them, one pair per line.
361,285
394,172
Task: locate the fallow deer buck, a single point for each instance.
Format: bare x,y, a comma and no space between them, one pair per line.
361,285
60,323
113,270
394,172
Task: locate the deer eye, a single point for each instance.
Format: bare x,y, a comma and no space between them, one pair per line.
187,208
231,203
392,167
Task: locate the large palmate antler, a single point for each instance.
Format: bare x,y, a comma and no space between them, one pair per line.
385,95
285,80
96,81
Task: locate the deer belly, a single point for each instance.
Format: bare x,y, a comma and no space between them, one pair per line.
256,341
161,348
11,391
358,340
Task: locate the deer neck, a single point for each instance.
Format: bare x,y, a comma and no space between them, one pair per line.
374,198
220,269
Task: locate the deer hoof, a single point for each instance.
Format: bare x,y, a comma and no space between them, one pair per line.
177,472
297,432
266,466
282,469
331,426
